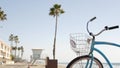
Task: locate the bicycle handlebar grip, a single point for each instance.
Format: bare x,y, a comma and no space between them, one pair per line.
93,19
110,28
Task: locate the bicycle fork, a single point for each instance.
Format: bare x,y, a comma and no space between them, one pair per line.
89,62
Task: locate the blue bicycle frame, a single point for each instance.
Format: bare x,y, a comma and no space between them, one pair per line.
101,53
90,60
99,43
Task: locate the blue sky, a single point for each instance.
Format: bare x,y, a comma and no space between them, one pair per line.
30,20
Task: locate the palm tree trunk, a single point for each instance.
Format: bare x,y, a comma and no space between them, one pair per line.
21,55
11,46
18,53
22,50
15,49
54,45
15,53
11,43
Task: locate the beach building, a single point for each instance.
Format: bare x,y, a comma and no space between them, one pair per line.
5,51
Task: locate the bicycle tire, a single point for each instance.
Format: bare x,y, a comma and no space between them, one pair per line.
80,62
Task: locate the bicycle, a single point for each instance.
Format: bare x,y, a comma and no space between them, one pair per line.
88,60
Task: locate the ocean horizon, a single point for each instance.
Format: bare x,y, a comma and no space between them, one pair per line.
115,65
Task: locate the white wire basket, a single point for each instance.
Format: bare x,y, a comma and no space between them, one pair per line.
80,43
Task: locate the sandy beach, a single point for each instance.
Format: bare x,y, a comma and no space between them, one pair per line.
43,66
26,66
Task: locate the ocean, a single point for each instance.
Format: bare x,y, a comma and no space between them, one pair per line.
115,65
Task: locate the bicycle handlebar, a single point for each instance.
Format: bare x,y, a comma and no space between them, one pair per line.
93,19
110,28
106,28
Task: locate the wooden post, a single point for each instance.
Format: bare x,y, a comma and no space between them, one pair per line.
51,63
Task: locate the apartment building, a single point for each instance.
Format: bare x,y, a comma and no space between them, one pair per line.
5,51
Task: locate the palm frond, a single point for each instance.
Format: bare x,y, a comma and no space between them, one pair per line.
56,6
2,15
62,11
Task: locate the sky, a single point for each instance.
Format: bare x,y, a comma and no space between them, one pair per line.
30,21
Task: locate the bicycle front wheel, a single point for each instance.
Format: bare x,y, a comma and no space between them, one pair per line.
85,62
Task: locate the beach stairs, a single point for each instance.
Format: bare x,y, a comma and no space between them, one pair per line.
51,63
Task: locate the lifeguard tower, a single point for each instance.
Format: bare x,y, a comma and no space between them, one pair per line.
36,56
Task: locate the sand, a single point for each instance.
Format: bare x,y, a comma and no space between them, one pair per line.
26,66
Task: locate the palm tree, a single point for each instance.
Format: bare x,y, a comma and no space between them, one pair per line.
2,15
11,38
16,39
55,11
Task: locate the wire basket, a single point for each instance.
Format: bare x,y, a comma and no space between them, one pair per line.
80,43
